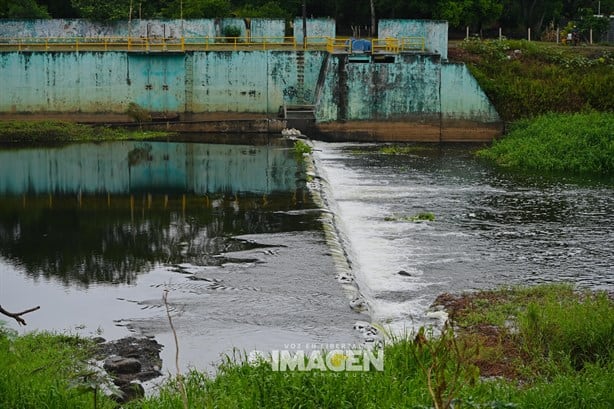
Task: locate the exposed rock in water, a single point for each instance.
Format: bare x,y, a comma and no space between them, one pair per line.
130,360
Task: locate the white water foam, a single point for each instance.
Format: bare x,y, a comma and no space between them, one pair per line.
379,253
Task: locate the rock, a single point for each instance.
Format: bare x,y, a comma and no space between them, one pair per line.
145,350
130,391
122,365
358,304
404,273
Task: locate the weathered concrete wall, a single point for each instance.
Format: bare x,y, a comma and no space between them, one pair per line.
214,81
407,88
435,33
275,30
415,98
462,98
317,29
171,28
64,82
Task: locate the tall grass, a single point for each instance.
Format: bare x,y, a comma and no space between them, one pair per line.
525,79
576,143
569,332
61,131
564,336
42,370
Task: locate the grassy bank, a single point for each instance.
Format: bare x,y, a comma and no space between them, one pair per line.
47,371
557,100
571,143
61,131
527,79
539,347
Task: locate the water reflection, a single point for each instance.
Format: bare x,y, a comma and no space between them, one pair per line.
123,167
162,203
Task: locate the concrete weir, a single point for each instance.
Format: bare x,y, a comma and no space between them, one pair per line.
388,94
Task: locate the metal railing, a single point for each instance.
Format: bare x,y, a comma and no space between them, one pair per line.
205,43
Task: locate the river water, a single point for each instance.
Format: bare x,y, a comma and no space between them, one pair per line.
491,228
96,233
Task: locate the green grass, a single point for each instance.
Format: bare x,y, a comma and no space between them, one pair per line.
61,131
526,79
43,370
560,343
301,148
403,149
420,217
572,143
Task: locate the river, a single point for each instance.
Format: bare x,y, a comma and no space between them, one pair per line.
96,233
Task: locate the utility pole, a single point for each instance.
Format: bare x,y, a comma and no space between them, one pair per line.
372,19
304,24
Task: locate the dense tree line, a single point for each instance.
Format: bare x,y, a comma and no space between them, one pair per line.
514,15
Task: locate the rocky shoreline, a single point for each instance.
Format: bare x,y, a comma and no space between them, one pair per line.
129,362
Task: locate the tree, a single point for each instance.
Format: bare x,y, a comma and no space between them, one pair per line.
102,10
477,14
18,9
198,9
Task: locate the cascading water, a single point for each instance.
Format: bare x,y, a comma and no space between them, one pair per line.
491,228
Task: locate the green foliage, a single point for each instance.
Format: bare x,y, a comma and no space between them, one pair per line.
420,217
37,370
102,11
198,9
573,330
269,9
232,31
60,131
565,337
22,9
524,79
578,143
301,149
403,149
476,13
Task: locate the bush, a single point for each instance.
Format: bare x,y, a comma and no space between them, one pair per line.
526,79
232,31
577,143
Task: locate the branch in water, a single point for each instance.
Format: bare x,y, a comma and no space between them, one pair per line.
17,315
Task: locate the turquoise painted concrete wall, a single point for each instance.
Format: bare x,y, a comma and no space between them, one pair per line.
414,86
64,82
170,28
462,97
215,81
317,28
267,28
409,88
434,32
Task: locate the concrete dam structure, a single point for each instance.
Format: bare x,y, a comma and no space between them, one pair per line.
403,89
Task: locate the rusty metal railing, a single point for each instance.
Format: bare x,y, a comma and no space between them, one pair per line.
204,43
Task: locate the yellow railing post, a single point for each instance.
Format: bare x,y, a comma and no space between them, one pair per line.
182,43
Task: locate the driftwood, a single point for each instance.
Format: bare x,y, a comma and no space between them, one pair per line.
17,315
